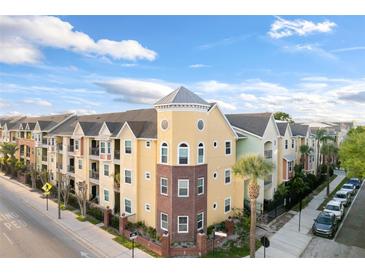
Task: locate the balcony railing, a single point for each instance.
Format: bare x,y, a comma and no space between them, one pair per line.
59,147
44,142
94,174
94,151
71,169
44,158
117,154
71,148
268,154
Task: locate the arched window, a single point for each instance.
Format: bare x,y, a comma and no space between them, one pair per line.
164,153
201,153
183,154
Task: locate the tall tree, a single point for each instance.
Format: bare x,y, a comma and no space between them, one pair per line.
328,150
254,167
352,153
81,195
305,150
322,138
65,188
282,116
8,151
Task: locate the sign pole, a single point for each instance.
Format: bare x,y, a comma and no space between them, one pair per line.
264,252
133,248
47,202
59,199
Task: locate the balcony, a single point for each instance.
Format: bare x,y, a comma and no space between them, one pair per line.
116,154
44,158
59,147
44,142
59,166
268,154
94,174
94,151
71,169
71,148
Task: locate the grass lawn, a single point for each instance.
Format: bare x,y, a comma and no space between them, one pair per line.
88,218
232,251
329,198
128,244
309,198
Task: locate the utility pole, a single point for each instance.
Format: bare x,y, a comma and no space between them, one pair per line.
58,184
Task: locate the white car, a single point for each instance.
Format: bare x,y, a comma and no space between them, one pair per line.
350,188
343,196
335,207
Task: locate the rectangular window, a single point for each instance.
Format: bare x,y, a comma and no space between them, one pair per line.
227,205
147,175
200,186
286,144
182,224
292,143
127,176
200,221
148,144
228,147
183,188
109,146
164,221
290,166
106,195
127,206
102,147
106,170
200,154
80,164
128,146
227,176
77,144
164,186
164,154
147,207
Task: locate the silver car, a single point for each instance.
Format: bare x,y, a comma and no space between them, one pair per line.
343,196
349,188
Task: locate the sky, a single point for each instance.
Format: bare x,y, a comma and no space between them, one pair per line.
311,67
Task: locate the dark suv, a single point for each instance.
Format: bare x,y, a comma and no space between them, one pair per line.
354,181
325,225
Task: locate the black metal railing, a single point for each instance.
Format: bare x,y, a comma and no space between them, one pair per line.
117,154
94,174
71,169
94,151
71,148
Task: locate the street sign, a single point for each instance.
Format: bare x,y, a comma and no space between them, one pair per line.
47,187
46,193
133,236
265,241
219,233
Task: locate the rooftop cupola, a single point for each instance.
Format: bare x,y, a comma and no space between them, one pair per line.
182,99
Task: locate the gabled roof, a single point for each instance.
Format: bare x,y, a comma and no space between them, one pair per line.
91,128
282,127
182,96
255,123
299,129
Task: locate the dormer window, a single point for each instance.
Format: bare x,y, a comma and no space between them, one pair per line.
128,146
183,154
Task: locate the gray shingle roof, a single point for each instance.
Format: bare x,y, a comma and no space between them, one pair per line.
181,96
282,127
299,129
255,123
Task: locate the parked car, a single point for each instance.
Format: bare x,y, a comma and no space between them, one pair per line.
336,208
355,181
343,196
350,188
325,225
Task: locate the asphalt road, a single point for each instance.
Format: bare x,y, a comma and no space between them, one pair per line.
26,233
352,232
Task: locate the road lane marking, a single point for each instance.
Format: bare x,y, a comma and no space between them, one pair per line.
347,213
6,236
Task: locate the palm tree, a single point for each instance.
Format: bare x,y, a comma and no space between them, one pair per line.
305,150
328,150
254,167
322,138
8,151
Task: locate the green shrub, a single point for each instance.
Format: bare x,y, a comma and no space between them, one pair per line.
96,212
115,222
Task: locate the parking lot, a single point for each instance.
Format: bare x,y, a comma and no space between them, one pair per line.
349,240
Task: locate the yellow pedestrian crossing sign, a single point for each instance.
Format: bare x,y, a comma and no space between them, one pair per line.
46,188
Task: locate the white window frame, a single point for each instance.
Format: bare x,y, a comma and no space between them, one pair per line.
167,152
230,176
178,188
108,148
292,143
147,175
197,158
77,144
215,141
286,145
178,224
106,169
80,163
107,190
167,221
216,173
125,147
102,147
148,144
126,199
147,207
230,205
197,186
225,147
178,153
167,186
125,181
202,226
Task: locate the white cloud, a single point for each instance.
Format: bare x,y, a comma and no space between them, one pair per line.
248,97
212,86
137,91
4,103
194,66
81,111
223,105
38,101
285,28
22,36
310,48
349,49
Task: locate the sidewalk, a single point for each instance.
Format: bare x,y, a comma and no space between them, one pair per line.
288,242
100,241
